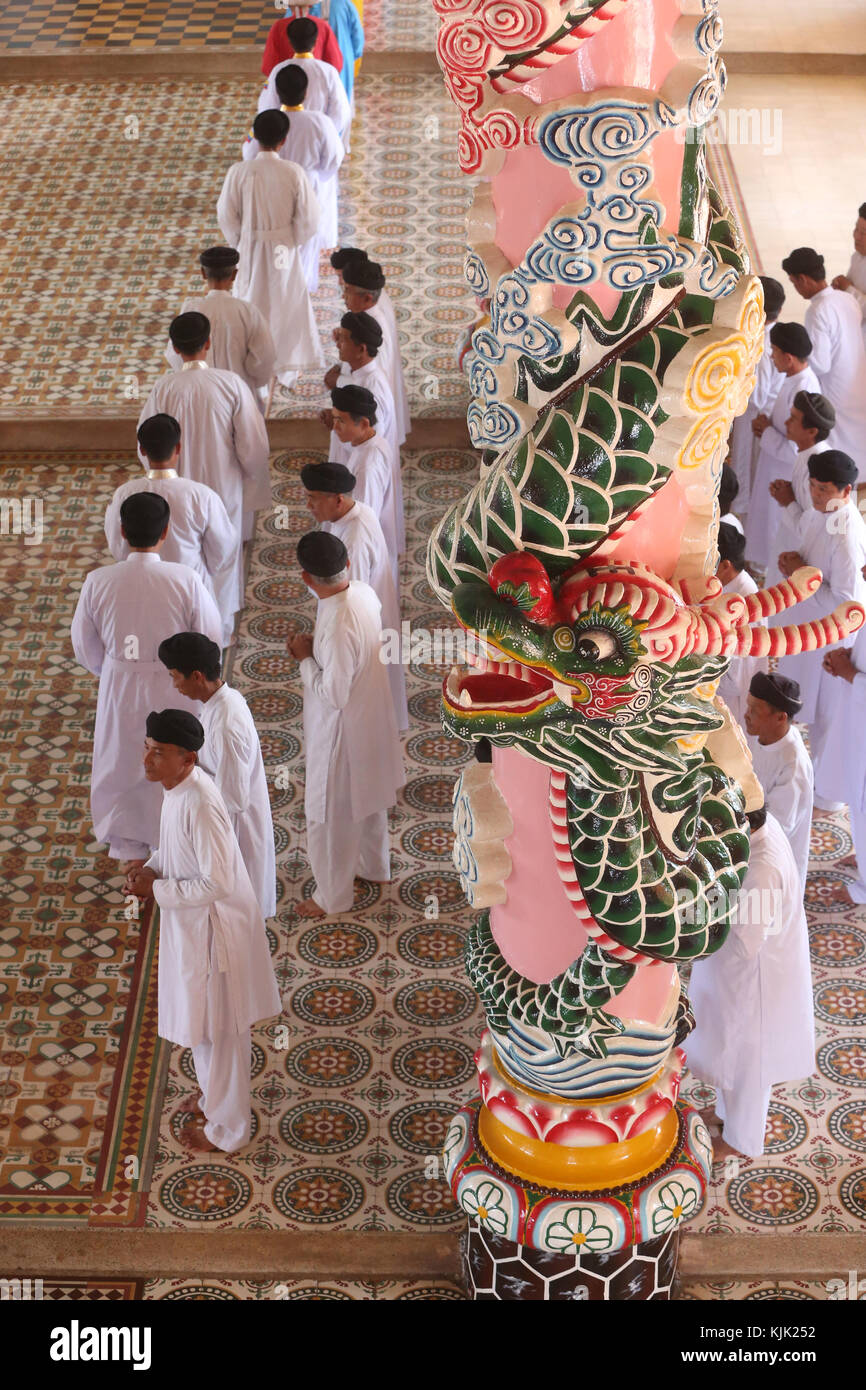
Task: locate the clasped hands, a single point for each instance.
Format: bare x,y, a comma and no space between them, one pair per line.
139,880
300,645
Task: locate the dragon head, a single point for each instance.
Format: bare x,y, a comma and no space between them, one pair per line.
608,655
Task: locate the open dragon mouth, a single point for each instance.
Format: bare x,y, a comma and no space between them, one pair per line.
504,687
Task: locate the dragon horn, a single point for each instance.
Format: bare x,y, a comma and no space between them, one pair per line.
767,602
804,637
711,624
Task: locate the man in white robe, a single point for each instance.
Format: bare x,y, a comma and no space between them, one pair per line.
854,283
767,382
200,533
752,1000
781,763
123,613
367,456
240,340
363,284
225,442
809,427
268,210
232,754
844,756
314,145
790,348
834,324
354,766
325,91
735,578
330,489
215,973
358,340
832,538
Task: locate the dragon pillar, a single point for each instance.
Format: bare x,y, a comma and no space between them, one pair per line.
601,833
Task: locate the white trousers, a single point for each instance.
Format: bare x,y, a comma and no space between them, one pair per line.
222,1066
744,1112
338,850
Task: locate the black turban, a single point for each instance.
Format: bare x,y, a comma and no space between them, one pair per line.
778,691
805,261
792,338
355,400
189,332
159,436
190,651
832,466
344,254
145,510
175,726
817,411
322,554
363,328
327,477
219,258
364,275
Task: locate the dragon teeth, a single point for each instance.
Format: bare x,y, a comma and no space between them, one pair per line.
465,699
564,693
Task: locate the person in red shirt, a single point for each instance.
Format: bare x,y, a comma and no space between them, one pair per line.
278,48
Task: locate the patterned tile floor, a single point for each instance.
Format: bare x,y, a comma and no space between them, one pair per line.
69,24
375,1052
321,1291
94,272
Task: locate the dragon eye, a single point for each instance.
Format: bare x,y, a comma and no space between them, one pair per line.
597,644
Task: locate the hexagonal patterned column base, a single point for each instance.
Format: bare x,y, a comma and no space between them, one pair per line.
496,1268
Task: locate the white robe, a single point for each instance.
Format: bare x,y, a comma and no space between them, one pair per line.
392,363
838,745
843,758
361,534
215,973
784,770
744,445
372,376
224,442
232,755
313,143
787,533
241,341
734,685
354,765
325,92
200,535
834,323
857,288
835,543
776,455
370,463
123,613
267,210
753,999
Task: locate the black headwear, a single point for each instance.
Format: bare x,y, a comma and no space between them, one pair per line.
732,545
158,436
805,261
291,83
191,651
817,411
303,33
355,400
363,328
189,332
322,554
344,254
778,691
175,726
364,275
270,128
792,338
832,466
327,477
217,258
144,516
774,296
